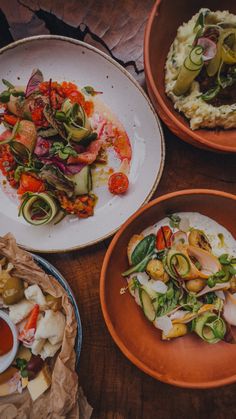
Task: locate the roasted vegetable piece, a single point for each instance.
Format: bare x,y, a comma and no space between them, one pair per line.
195,285
53,303
199,239
156,270
163,239
26,136
178,329
13,291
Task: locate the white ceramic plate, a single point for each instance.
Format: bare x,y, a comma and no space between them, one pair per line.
61,59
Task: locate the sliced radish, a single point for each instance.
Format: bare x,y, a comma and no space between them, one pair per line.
180,237
209,48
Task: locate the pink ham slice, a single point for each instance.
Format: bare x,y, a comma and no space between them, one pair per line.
89,156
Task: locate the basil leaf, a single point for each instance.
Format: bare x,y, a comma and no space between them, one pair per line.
144,248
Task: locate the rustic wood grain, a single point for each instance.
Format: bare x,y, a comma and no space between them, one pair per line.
114,387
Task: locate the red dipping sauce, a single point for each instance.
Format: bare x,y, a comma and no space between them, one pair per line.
6,338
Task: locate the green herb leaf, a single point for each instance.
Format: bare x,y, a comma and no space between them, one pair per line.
21,363
8,84
5,96
24,373
174,220
89,90
18,94
61,116
144,248
211,93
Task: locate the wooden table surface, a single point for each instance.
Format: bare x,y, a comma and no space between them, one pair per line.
114,387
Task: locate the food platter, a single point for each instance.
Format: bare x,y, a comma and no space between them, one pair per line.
51,270
156,46
170,361
85,65
23,362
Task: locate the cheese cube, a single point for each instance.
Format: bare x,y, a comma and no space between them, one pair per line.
40,384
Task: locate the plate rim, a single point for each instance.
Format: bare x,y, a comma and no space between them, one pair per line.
172,120
115,336
141,91
43,263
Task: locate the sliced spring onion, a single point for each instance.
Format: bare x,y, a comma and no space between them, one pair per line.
211,94
210,327
188,72
38,208
147,305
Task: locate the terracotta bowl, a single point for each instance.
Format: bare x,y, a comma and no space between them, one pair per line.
187,361
161,29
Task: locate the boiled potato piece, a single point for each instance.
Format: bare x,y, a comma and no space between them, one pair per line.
156,270
195,285
178,329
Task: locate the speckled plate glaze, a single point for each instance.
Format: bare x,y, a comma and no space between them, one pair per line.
61,59
51,270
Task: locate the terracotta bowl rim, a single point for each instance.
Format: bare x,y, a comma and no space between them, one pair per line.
135,360
149,77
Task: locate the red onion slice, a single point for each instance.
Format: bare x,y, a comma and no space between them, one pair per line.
35,79
180,237
209,48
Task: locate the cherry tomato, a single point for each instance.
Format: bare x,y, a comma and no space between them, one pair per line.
77,97
118,183
163,239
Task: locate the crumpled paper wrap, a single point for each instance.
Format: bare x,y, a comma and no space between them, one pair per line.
64,399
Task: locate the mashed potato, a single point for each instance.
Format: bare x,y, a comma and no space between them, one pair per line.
199,112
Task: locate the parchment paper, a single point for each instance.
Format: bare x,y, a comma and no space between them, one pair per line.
64,399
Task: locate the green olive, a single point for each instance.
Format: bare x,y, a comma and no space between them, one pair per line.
198,238
53,303
13,291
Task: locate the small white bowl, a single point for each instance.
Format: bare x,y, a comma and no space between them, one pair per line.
6,360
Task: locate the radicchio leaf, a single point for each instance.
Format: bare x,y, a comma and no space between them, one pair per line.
35,79
42,147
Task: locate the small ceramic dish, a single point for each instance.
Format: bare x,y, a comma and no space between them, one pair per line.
161,31
6,360
185,362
